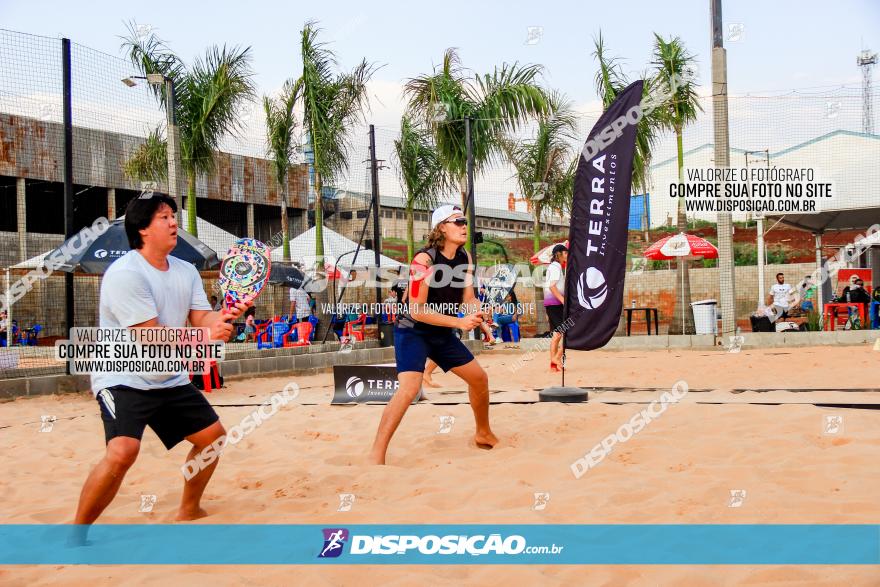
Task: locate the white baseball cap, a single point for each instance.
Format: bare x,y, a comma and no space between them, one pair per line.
442,213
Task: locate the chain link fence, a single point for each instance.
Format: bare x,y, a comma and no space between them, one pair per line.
115,115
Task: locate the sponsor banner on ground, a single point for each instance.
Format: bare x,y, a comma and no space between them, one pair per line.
365,384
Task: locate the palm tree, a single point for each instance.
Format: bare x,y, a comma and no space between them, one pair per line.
421,173
675,78
497,104
208,96
280,123
332,104
542,164
610,81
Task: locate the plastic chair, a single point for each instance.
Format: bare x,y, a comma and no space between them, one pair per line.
211,379
349,328
299,335
509,332
33,335
265,335
279,329
313,320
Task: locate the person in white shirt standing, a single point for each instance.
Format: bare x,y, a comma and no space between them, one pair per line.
148,288
299,304
780,295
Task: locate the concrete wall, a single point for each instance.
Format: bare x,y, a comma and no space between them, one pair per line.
33,149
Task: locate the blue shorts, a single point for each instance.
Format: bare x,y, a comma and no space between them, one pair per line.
413,347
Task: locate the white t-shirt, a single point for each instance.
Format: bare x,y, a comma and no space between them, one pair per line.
780,293
132,292
553,275
301,298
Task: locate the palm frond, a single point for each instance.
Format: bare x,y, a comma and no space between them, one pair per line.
149,161
674,67
215,89
280,124
610,81
149,54
332,103
420,168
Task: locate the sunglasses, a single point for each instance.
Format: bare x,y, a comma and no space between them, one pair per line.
461,221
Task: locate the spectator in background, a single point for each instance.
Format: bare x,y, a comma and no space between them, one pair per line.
554,300
300,304
506,313
215,304
3,334
808,294
250,325
780,295
855,293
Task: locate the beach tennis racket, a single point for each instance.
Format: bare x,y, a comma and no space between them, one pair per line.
501,279
244,271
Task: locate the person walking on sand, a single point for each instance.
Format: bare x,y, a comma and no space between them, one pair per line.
441,281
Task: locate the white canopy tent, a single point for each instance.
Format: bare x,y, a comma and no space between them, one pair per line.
338,251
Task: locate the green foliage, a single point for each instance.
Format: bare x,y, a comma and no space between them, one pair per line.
280,124
498,104
149,161
421,172
208,97
545,165
814,321
332,104
610,81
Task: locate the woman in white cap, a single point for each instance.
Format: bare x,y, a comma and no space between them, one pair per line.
441,282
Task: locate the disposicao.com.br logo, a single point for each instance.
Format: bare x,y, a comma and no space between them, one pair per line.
335,539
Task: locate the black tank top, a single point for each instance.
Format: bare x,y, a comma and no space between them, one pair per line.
445,288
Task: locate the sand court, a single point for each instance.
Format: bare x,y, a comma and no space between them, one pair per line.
737,429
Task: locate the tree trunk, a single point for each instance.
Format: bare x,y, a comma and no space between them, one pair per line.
191,226
319,219
410,237
322,297
462,184
536,238
285,227
682,317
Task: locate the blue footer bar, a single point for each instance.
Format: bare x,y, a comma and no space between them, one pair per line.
562,544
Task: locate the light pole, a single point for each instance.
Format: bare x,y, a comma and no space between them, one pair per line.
174,165
726,272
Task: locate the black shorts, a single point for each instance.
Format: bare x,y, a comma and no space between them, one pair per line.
554,315
173,413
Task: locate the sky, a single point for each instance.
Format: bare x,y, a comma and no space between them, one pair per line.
773,46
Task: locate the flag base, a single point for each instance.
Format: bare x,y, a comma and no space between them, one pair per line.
567,395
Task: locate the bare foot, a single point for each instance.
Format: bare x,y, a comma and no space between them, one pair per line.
428,382
188,515
376,459
485,440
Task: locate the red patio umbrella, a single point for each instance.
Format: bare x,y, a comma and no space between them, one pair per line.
681,245
543,257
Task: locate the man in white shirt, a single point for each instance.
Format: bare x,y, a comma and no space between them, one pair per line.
780,295
148,288
299,304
